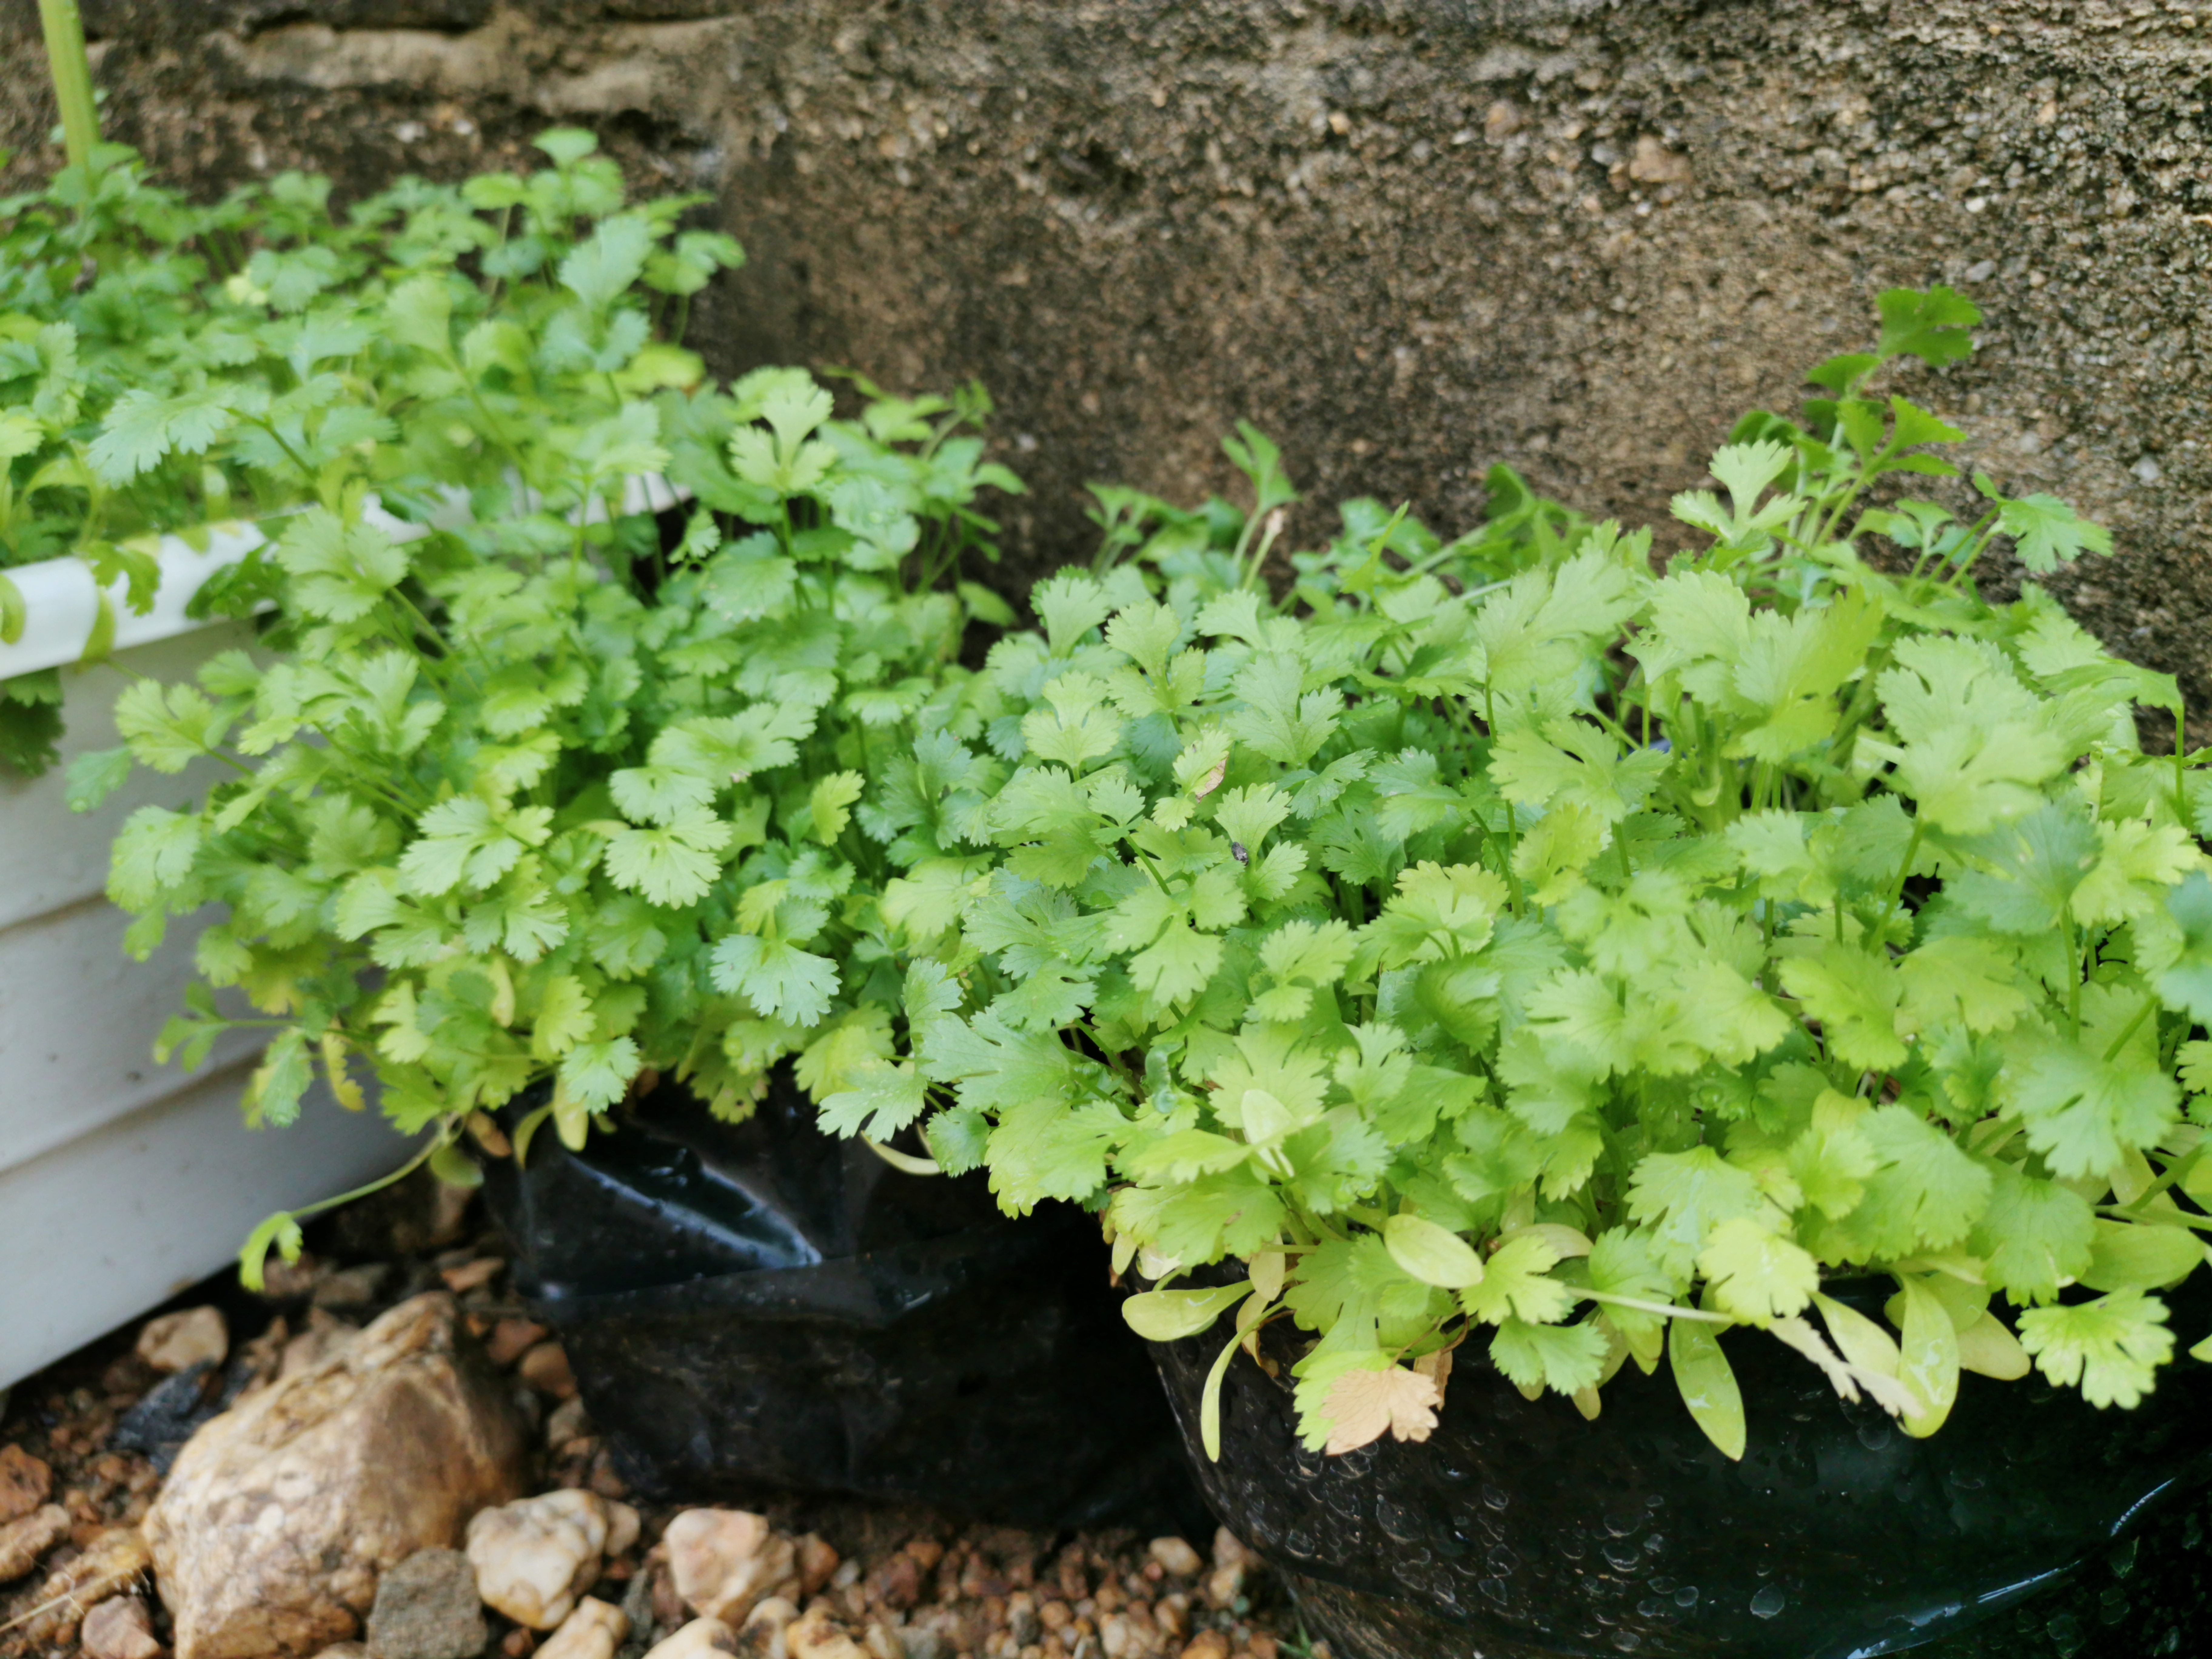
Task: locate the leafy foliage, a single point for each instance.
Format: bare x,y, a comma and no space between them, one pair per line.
544,793
1503,941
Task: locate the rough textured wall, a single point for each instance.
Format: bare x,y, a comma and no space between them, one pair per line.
1409,237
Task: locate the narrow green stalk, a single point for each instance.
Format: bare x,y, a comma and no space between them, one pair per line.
72,76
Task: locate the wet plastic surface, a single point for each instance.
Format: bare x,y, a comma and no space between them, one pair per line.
762,1305
1519,1530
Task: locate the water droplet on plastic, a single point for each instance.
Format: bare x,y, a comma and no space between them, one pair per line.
1625,1557
1502,1560
1495,1589
1661,1586
2065,1633
1686,1596
1768,1602
2112,1605
1874,1436
1621,1523
2123,1560
1402,1523
1495,1496
1627,1641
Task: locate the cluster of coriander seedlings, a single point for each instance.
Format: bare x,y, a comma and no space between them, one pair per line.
1511,938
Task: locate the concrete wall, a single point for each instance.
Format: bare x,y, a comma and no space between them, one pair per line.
1409,237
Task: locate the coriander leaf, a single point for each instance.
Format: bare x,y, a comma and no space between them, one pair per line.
1565,1359
2110,1347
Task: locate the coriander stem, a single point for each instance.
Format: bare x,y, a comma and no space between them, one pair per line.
67,62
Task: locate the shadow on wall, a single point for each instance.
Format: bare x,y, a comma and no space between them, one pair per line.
1410,238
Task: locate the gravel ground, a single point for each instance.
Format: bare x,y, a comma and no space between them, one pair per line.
911,1583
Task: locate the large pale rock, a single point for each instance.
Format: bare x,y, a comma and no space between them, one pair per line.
534,1557
280,1515
725,1560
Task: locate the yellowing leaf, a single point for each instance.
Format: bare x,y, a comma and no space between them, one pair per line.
1365,1405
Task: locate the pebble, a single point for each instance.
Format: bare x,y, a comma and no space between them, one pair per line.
695,1640
545,1368
817,1636
25,1483
535,1555
723,1561
593,1631
512,1338
177,1341
344,1651
472,1275
353,1287
120,1628
23,1542
570,1421
1177,1557
1206,1644
111,1564
427,1607
816,1562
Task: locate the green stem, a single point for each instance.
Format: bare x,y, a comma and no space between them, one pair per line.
71,70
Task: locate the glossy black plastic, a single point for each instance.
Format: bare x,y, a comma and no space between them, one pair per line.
766,1306
1520,1531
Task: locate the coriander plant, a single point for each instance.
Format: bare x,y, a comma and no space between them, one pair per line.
546,796
1502,941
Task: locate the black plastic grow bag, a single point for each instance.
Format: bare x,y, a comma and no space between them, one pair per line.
2032,1524
762,1305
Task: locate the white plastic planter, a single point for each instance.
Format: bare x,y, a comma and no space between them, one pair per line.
121,1182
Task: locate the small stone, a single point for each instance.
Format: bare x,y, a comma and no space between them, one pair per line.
354,1287
111,1564
535,1555
120,1628
176,1341
623,1526
518,1643
593,1631
545,1368
570,1421
472,1275
427,1607
726,1560
694,1640
1206,1644
26,1483
1230,1551
289,1281
344,1651
882,1642
282,1514
817,1636
1177,1557
511,1338
895,1582
23,1542
1223,1585
1653,163
816,1562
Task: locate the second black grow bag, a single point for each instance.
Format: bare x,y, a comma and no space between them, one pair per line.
762,1305
2032,1524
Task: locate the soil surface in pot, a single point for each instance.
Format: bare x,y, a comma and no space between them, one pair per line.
94,1432
2033,1524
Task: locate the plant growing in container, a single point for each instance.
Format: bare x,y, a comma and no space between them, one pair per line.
1559,970
541,808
